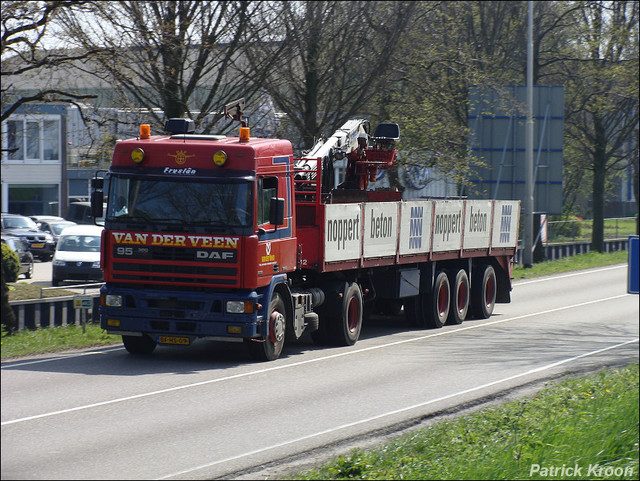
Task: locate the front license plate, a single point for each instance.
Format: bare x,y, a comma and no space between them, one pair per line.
37,246
173,340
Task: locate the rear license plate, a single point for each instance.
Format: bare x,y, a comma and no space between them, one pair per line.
173,340
37,246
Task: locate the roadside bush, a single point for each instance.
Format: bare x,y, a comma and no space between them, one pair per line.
567,227
10,264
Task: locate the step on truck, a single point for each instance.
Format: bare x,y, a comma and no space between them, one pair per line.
232,238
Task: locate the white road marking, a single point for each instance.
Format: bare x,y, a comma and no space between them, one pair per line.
308,361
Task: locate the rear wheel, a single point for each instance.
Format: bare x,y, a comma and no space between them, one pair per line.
270,347
483,292
459,296
139,344
347,324
440,300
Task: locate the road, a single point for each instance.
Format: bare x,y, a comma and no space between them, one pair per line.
208,412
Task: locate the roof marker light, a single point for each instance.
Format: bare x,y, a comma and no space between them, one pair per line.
220,158
137,155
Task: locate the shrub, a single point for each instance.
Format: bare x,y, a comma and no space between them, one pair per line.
10,264
569,226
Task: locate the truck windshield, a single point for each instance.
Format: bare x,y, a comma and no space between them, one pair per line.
211,203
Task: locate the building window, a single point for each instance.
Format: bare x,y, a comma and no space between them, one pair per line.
31,138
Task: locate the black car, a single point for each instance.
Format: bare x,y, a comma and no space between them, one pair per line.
18,246
41,244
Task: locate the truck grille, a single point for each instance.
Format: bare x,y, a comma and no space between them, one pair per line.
174,273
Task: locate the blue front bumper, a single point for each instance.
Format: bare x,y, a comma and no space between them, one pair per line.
179,313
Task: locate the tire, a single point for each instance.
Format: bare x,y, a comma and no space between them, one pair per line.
460,296
270,347
55,282
483,292
440,300
139,344
29,273
347,324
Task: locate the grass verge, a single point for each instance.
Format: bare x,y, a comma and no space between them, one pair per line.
583,428
566,264
54,339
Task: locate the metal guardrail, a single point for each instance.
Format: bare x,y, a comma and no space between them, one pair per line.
553,252
54,311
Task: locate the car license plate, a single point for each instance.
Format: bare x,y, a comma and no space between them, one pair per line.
173,340
37,246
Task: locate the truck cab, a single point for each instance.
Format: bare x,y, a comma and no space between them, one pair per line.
199,232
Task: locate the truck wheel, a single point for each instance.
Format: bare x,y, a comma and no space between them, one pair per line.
440,300
269,348
139,344
347,325
459,296
483,292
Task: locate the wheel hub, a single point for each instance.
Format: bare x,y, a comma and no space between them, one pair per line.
276,327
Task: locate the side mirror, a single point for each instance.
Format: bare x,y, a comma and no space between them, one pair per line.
276,216
97,198
97,183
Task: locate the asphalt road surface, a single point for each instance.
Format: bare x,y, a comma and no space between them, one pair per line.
208,412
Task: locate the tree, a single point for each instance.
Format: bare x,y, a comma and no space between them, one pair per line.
177,57
449,47
328,58
24,51
602,90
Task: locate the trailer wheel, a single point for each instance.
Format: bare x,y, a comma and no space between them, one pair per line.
346,326
483,292
269,348
441,296
459,296
139,344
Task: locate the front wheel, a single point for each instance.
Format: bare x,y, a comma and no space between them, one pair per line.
139,344
270,347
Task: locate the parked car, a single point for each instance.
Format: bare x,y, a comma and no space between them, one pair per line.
41,244
80,213
54,226
77,255
19,246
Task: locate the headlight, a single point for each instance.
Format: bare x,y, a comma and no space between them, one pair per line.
113,300
48,238
57,262
239,307
95,265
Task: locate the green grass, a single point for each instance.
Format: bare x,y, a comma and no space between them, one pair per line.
19,291
573,263
580,422
54,339
581,230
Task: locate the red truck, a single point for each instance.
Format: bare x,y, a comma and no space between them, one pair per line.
231,238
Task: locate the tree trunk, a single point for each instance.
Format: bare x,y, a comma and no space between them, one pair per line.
599,175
